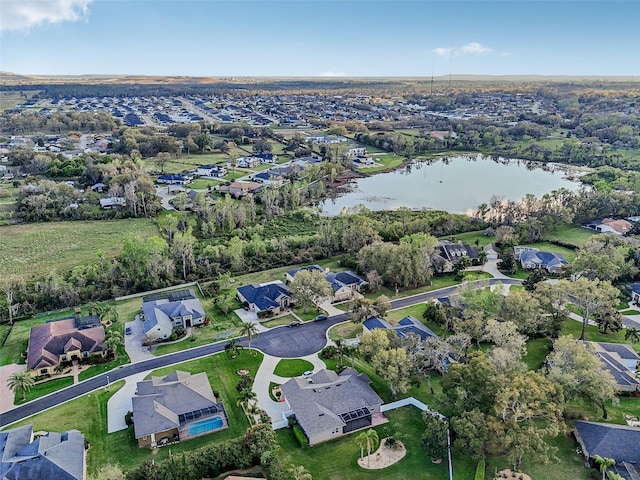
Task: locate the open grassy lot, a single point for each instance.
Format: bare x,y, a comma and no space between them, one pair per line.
89,415
572,234
470,238
337,459
440,281
33,250
202,183
292,367
345,330
277,322
279,273
387,162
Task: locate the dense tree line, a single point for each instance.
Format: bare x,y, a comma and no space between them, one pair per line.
26,122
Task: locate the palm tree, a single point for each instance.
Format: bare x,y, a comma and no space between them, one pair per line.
632,334
112,342
108,312
232,347
614,476
298,472
21,382
604,462
249,329
245,397
370,439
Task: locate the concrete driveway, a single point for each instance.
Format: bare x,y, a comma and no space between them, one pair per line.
6,394
251,317
133,343
120,403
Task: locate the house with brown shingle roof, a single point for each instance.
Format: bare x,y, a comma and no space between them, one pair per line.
62,341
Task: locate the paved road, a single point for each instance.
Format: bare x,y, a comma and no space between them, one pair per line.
281,342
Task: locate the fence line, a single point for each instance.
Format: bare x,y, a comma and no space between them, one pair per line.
160,290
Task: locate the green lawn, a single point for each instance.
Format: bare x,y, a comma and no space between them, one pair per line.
537,351
277,322
44,388
630,312
571,234
573,327
387,162
437,282
337,459
345,330
33,250
470,238
292,367
202,183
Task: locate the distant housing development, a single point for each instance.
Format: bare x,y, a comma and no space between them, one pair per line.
176,407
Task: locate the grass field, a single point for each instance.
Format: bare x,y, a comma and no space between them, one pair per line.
292,367
569,255
277,322
572,235
44,388
441,281
33,250
387,162
345,330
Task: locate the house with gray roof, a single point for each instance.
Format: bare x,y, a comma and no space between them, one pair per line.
531,258
63,341
52,456
344,284
405,327
619,442
635,293
176,407
163,313
622,361
265,297
453,253
327,405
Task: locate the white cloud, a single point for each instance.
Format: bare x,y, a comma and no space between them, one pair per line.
332,74
472,48
24,14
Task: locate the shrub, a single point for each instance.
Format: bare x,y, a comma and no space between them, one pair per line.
328,352
300,436
480,470
244,383
128,418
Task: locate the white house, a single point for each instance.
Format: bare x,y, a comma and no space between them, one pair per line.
212,171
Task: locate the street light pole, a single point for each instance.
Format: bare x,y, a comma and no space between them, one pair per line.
107,383
449,451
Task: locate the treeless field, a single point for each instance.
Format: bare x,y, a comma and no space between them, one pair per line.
33,250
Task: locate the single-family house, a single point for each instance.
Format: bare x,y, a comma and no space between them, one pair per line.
175,179
610,225
59,456
211,171
269,178
490,252
292,273
266,157
453,253
64,340
405,327
162,313
635,293
272,296
345,285
532,258
98,187
328,405
607,440
176,407
356,152
248,162
113,202
240,189
621,361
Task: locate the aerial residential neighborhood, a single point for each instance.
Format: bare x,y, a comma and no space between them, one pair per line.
319,241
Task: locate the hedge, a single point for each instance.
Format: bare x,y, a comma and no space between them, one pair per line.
300,436
480,470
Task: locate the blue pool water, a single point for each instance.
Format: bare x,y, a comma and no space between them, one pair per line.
204,426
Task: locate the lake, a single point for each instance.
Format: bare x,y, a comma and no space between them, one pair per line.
455,184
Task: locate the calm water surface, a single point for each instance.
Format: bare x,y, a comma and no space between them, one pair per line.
456,184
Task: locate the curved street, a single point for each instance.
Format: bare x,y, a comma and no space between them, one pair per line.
281,342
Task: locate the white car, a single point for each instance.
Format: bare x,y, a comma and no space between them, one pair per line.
308,374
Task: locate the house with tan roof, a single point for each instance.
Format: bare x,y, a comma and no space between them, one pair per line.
63,341
174,408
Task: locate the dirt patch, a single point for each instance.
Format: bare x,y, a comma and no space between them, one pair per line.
385,456
508,474
242,372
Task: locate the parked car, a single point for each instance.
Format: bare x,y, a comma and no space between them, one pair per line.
308,374
295,323
320,318
128,331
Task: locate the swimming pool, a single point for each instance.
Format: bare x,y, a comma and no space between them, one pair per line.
204,426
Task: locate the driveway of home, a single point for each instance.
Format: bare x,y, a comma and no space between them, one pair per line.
330,309
252,317
133,343
6,394
491,267
120,403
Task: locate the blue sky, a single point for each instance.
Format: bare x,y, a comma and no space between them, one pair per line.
319,37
